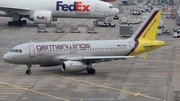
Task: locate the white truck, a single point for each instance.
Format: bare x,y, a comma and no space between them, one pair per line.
176,34
100,22
161,23
136,12
159,30
124,20
111,23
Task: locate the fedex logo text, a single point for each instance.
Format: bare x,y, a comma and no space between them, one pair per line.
77,6
41,17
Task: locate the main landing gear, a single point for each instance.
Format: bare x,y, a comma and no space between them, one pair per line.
91,71
17,23
28,71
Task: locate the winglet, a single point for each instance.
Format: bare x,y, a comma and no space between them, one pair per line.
148,28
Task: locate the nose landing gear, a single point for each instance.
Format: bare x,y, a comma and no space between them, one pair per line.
28,71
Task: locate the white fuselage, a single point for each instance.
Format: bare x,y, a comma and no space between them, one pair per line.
59,8
43,53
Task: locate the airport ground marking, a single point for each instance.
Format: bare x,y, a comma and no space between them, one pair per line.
107,87
34,91
137,94
113,37
19,73
157,61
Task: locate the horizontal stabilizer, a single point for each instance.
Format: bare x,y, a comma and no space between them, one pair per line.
155,43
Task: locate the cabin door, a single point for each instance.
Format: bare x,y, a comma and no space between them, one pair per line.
31,51
131,45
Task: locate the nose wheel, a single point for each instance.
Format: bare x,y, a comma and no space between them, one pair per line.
28,71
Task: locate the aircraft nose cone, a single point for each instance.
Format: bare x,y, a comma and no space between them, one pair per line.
117,11
6,57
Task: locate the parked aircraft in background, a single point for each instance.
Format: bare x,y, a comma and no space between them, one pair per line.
76,56
46,11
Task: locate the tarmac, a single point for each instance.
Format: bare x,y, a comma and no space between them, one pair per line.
155,78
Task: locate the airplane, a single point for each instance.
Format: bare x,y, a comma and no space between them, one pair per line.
76,56
46,11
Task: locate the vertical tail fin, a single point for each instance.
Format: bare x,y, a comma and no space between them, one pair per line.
148,28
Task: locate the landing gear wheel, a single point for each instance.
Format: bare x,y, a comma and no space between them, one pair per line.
28,72
14,23
91,71
24,22
19,23
10,23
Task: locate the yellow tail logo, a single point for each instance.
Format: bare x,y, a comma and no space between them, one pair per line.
145,35
148,28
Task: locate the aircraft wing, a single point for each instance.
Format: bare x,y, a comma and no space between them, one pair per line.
94,58
14,10
105,57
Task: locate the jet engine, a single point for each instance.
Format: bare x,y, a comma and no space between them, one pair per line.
41,17
74,66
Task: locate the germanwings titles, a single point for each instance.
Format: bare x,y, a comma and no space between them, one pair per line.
76,56
40,48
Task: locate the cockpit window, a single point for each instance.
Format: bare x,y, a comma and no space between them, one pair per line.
12,50
20,51
16,50
111,6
